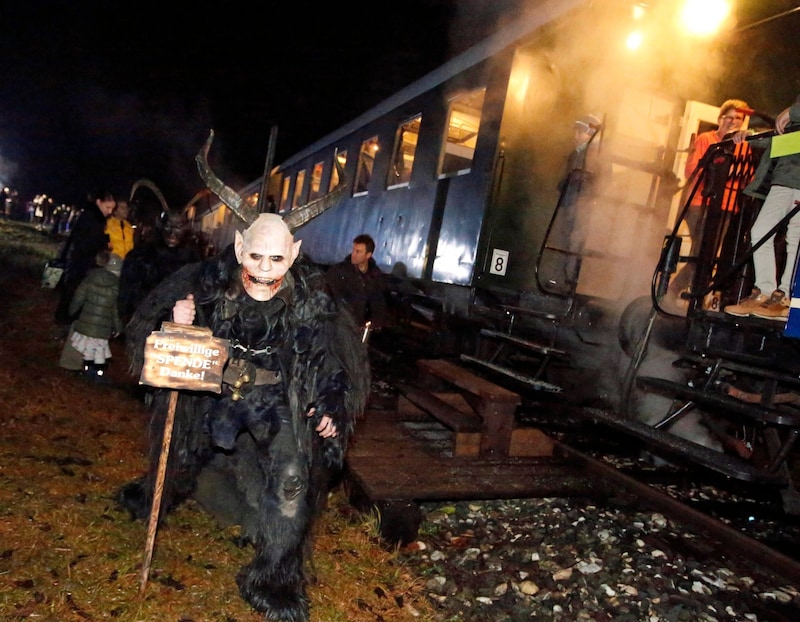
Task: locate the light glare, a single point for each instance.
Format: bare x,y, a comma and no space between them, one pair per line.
634,41
705,17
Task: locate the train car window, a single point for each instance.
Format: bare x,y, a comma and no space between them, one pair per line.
285,193
463,123
251,199
405,148
366,160
342,157
316,180
298,189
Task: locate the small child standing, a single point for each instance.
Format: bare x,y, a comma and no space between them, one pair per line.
98,321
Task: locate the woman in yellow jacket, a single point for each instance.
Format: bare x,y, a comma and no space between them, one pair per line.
120,230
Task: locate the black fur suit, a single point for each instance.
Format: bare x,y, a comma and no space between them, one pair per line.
146,265
258,461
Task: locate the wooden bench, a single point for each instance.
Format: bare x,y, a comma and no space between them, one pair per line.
493,406
450,410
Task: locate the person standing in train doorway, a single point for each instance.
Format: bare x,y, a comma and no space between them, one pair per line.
358,283
782,175
586,155
732,114
585,169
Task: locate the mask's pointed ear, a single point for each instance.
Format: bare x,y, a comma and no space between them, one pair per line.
296,249
238,245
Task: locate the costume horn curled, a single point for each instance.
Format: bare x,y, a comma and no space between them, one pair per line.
226,194
298,216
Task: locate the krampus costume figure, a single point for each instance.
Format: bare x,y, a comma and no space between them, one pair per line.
158,254
264,452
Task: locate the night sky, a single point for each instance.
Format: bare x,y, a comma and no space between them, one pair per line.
98,94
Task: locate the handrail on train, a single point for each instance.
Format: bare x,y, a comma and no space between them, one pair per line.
670,255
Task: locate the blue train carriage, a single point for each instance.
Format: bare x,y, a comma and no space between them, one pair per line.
553,282
457,177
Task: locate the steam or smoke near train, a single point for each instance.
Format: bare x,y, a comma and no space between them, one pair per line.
555,281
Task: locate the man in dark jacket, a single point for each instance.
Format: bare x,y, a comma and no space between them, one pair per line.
360,284
86,239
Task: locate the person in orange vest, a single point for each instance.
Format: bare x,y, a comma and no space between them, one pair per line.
732,114
119,230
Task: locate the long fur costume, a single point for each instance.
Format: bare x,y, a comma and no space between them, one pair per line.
146,265
257,462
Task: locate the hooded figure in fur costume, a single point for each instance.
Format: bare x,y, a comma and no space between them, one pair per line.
262,453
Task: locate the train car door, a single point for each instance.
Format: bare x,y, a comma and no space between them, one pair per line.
623,224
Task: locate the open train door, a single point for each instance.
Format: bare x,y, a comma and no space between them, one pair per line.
619,217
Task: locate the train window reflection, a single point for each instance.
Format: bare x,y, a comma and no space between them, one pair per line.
298,189
316,180
366,161
405,148
342,157
463,123
285,193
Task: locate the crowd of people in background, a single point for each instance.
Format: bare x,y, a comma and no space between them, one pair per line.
103,239
42,211
141,252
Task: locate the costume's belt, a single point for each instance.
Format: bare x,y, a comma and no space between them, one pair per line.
241,376
246,350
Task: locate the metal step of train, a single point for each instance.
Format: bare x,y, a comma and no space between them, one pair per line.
536,357
694,453
533,383
782,416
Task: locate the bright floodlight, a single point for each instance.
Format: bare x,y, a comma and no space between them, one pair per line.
704,17
634,41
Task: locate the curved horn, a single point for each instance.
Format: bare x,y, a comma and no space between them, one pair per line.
301,215
199,195
226,194
146,183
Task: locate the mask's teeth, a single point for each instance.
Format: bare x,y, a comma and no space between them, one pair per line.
255,279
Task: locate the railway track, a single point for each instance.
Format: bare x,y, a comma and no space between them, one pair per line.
730,540
390,480
404,458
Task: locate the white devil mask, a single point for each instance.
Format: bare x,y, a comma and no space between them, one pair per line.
266,250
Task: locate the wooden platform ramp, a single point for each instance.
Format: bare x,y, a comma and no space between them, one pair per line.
468,447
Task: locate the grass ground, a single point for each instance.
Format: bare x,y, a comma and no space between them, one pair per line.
68,553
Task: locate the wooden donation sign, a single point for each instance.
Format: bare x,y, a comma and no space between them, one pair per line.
179,356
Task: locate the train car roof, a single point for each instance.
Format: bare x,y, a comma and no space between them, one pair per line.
534,18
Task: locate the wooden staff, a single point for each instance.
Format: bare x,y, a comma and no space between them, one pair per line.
158,490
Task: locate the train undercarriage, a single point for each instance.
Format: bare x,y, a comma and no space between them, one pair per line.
671,369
